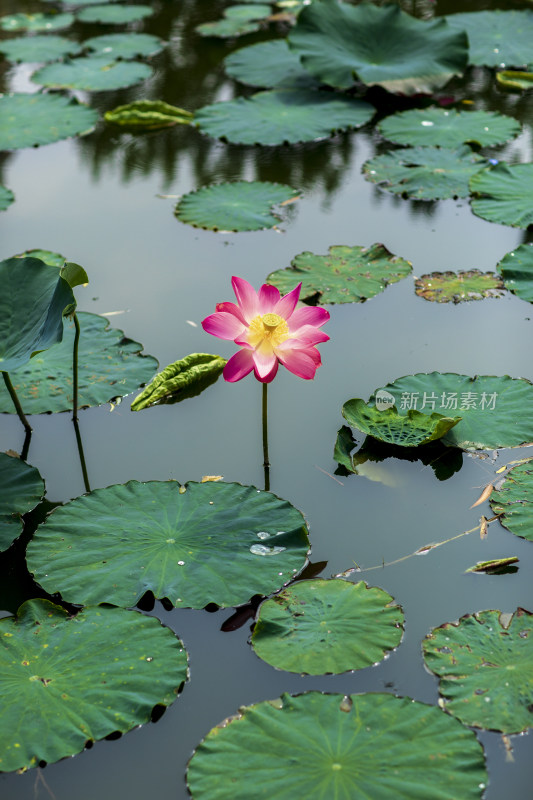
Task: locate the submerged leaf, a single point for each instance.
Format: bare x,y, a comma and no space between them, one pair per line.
409,430
185,378
345,275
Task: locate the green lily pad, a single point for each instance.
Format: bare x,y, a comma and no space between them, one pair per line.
28,120
114,15
181,380
110,366
340,44
514,501
425,173
516,269
319,746
52,259
38,48
282,116
515,80
327,626
36,22
448,128
497,38
92,74
407,430
82,2
484,664
496,411
495,566
6,198
148,115
21,488
504,193
268,65
30,285
196,544
124,45
346,275
458,287
84,677
238,20
236,206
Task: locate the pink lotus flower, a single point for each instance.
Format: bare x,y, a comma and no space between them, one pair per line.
269,329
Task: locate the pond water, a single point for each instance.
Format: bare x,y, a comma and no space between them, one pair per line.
106,201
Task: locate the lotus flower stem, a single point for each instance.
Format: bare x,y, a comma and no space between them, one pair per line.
266,462
75,369
16,402
82,455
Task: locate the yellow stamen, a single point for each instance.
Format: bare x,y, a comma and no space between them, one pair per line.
267,331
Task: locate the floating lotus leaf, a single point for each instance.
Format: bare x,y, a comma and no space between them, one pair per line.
504,193
321,626
346,275
6,198
321,746
238,20
458,287
495,566
30,285
125,45
92,74
148,115
516,269
514,80
425,173
27,120
52,259
496,411
340,44
110,366
21,488
268,65
515,501
114,15
181,380
497,38
407,430
83,2
485,666
196,544
38,48
282,116
237,206
36,22
448,128
84,677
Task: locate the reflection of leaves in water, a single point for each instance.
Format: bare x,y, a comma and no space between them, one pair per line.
444,461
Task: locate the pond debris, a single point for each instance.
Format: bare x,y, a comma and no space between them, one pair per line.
485,494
